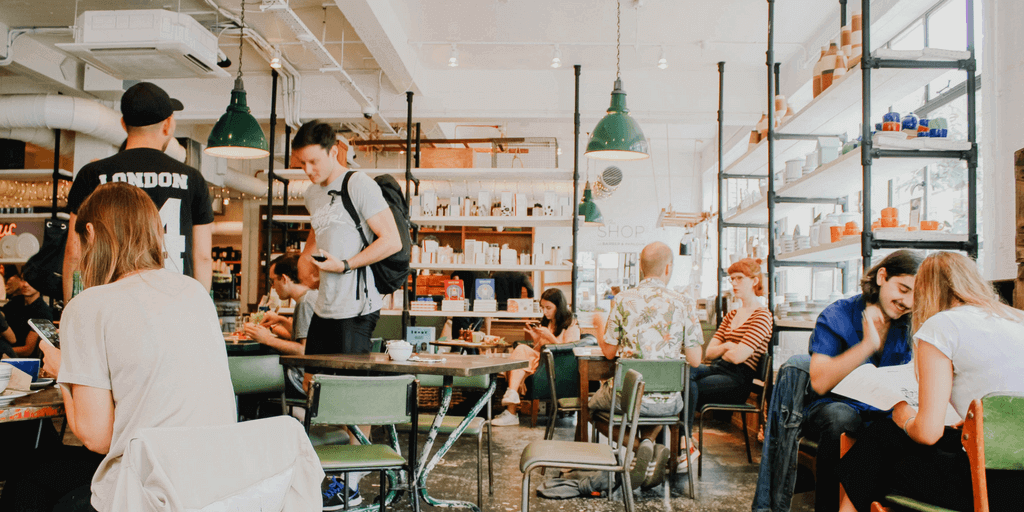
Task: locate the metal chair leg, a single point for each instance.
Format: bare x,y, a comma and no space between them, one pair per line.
526,490
700,444
549,432
689,462
667,483
490,456
627,491
746,437
383,490
480,469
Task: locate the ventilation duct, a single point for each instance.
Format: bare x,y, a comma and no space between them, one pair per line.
50,112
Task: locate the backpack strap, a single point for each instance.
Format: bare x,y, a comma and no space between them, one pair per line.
346,200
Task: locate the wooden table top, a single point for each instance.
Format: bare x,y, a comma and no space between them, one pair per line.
47,403
465,344
453,365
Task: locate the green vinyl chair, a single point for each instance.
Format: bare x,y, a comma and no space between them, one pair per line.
660,376
344,400
566,404
591,456
476,427
764,375
258,374
993,439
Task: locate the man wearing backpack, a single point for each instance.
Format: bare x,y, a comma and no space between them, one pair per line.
349,302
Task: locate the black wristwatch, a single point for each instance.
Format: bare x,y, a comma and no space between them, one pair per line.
347,268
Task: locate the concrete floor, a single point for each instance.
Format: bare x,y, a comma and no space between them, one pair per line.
727,483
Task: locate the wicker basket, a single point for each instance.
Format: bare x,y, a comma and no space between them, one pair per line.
430,398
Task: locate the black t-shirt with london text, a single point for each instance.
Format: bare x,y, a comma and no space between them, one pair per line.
179,192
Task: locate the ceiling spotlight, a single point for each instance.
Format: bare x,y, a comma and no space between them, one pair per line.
275,61
556,59
662,62
453,57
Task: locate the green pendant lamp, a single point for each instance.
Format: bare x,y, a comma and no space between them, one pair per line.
238,134
618,136
589,210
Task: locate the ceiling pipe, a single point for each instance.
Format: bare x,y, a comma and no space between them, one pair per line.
328,64
62,112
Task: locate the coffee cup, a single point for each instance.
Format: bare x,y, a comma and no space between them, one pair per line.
27,365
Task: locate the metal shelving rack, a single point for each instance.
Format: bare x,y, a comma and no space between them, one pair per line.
891,163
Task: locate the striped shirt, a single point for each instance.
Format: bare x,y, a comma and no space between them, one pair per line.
756,333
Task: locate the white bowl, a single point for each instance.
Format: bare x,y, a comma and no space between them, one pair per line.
399,354
5,375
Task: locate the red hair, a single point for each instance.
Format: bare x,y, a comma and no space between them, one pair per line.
751,268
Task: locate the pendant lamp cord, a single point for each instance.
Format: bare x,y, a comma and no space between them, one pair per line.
241,42
618,35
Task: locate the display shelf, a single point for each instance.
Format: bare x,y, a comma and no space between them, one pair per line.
543,221
476,314
496,268
849,247
835,111
514,175
32,174
31,216
795,324
835,179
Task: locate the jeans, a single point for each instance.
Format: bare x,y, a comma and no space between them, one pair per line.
718,384
776,477
341,335
826,422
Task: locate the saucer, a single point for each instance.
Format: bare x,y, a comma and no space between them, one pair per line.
41,383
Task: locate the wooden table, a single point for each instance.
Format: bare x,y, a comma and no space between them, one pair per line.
48,403
462,345
41,406
453,366
592,368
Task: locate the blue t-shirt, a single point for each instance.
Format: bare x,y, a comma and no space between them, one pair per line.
840,326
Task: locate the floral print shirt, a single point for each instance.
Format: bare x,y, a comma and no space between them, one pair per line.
653,322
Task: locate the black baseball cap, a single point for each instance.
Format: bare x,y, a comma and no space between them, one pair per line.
145,103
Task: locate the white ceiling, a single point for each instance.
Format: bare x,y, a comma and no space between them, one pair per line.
505,47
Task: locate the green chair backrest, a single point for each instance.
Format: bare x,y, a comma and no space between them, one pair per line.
436,381
660,375
376,345
344,400
256,374
1004,431
634,385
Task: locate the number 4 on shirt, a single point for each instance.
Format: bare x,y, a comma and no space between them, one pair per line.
174,239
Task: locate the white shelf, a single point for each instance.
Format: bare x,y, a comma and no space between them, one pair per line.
512,175
795,324
476,314
839,178
849,248
543,221
31,216
496,268
31,174
835,111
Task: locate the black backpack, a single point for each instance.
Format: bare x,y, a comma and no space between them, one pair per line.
44,269
389,274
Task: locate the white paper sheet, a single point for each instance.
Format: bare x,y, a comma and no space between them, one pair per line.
883,388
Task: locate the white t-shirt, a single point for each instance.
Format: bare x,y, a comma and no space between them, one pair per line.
152,339
987,352
336,234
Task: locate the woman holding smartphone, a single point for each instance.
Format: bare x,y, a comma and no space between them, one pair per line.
557,326
967,344
142,348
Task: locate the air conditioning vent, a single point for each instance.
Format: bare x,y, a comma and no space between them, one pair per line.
145,44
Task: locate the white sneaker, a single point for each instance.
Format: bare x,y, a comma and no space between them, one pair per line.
684,465
511,397
505,419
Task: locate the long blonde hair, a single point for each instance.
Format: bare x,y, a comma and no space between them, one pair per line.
948,279
127,233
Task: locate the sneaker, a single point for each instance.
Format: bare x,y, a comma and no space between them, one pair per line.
505,419
643,459
656,468
684,465
511,397
333,491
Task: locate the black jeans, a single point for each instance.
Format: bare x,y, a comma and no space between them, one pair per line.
825,422
717,384
58,477
341,335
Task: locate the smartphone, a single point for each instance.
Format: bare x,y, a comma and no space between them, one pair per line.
46,330
319,257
